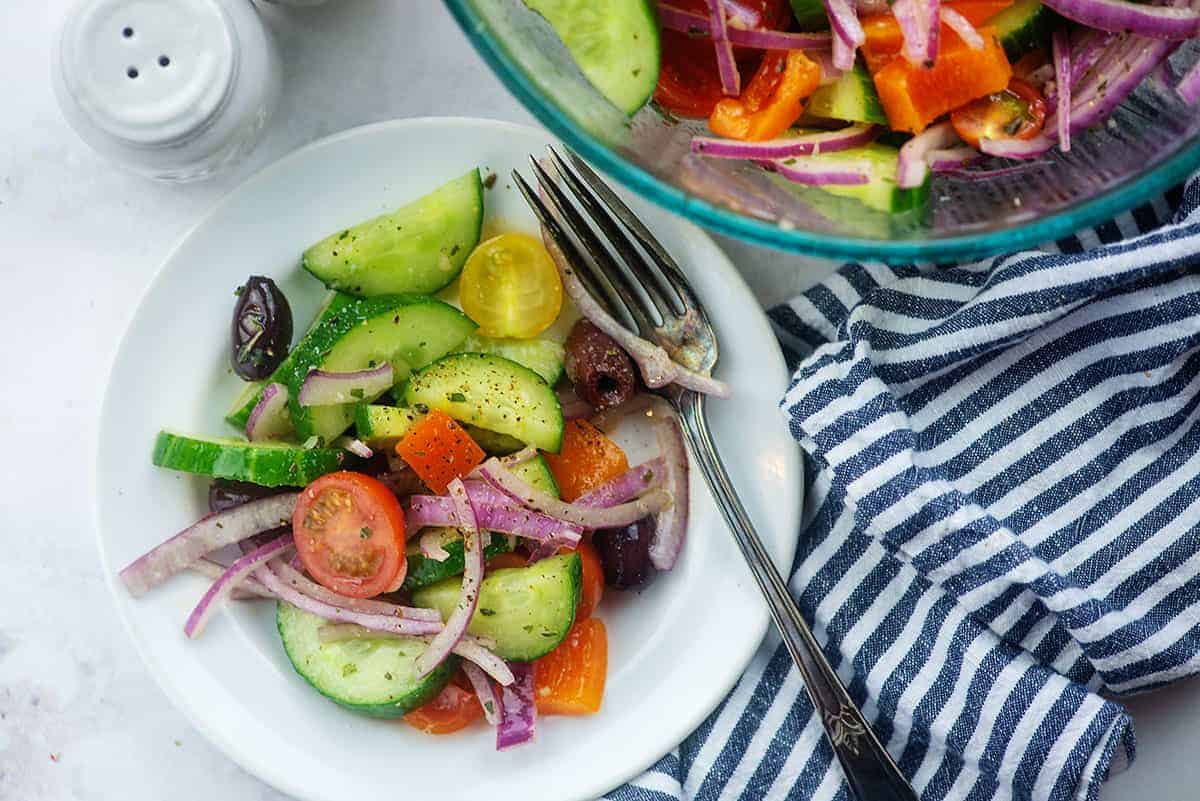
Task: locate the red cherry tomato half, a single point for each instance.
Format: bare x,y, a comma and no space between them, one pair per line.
349,531
1019,112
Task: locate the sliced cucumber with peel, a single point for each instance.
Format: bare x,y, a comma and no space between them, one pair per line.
493,393
526,611
880,192
615,44
271,464
381,427
376,677
851,97
1022,27
419,248
542,356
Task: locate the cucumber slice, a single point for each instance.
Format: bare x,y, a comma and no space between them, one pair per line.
880,192
495,444
409,331
615,44
417,249
1022,27
424,572
493,393
851,97
536,471
810,15
381,427
527,611
542,356
373,677
270,464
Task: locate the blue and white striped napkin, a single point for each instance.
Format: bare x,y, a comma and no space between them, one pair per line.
1002,520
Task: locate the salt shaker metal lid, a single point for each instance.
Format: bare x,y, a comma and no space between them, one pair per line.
174,89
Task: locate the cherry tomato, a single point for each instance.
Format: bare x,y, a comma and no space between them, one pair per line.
1019,112
688,82
349,533
510,287
450,710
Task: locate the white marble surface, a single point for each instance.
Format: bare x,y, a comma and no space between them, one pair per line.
80,718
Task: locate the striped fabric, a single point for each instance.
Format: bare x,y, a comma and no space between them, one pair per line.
1001,520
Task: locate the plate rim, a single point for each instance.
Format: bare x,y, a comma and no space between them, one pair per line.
264,769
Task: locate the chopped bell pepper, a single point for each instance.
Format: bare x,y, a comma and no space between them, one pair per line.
772,101
439,450
885,40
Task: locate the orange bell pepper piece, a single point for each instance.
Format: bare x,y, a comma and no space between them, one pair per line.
772,101
439,450
570,679
884,38
586,460
914,96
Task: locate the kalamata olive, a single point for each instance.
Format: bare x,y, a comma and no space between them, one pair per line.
601,371
262,329
224,494
625,553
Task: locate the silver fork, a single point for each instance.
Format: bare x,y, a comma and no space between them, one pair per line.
638,282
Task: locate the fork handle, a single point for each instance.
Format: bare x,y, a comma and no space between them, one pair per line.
869,769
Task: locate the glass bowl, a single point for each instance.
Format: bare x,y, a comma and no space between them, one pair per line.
1151,143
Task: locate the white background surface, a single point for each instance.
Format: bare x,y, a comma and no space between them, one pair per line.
79,241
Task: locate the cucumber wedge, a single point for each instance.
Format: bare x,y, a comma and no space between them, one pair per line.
417,249
615,44
495,444
381,427
851,97
493,393
424,572
810,15
542,356
270,464
372,677
410,331
1022,27
527,611
880,192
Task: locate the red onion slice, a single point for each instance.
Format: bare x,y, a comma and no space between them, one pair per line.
270,418
247,589
208,534
1173,23
323,388
738,14
1189,85
670,526
220,589
301,583
809,144
909,16
445,640
354,446
945,160
431,545
583,516
963,27
731,81
1061,54
494,511
484,691
848,34
819,173
1016,148
677,19
268,574
1121,68
518,710
473,649
995,172
633,482
912,166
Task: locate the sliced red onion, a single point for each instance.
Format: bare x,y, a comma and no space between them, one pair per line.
931,18
270,418
474,649
220,589
1173,23
268,574
812,172
911,15
323,388
653,362
301,583
1086,52
1189,85
633,482
520,457
208,534
248,588
583,516
494,511
1061,55
913,163
805,144
731,81
1016,148
354,446
963,27
431,545
670,525
518,709
830,72
995,172
677,19
1121,68
484,691
848,32
738,14
468,599
952,158
842,54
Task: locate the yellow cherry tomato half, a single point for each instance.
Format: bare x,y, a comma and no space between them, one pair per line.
510,287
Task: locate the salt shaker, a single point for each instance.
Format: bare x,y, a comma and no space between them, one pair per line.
172,89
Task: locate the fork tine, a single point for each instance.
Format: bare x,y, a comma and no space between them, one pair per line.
570,251
669,271
606,267
642,273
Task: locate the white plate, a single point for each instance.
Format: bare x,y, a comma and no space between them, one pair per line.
675,648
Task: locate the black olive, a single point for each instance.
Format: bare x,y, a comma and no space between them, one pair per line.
225,494
601,371
625,553
262,329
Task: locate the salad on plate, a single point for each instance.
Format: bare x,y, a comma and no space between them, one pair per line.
867,99
433,482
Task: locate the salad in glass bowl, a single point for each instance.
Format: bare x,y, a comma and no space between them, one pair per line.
430,483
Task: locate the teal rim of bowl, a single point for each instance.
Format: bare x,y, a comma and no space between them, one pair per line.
1089,213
